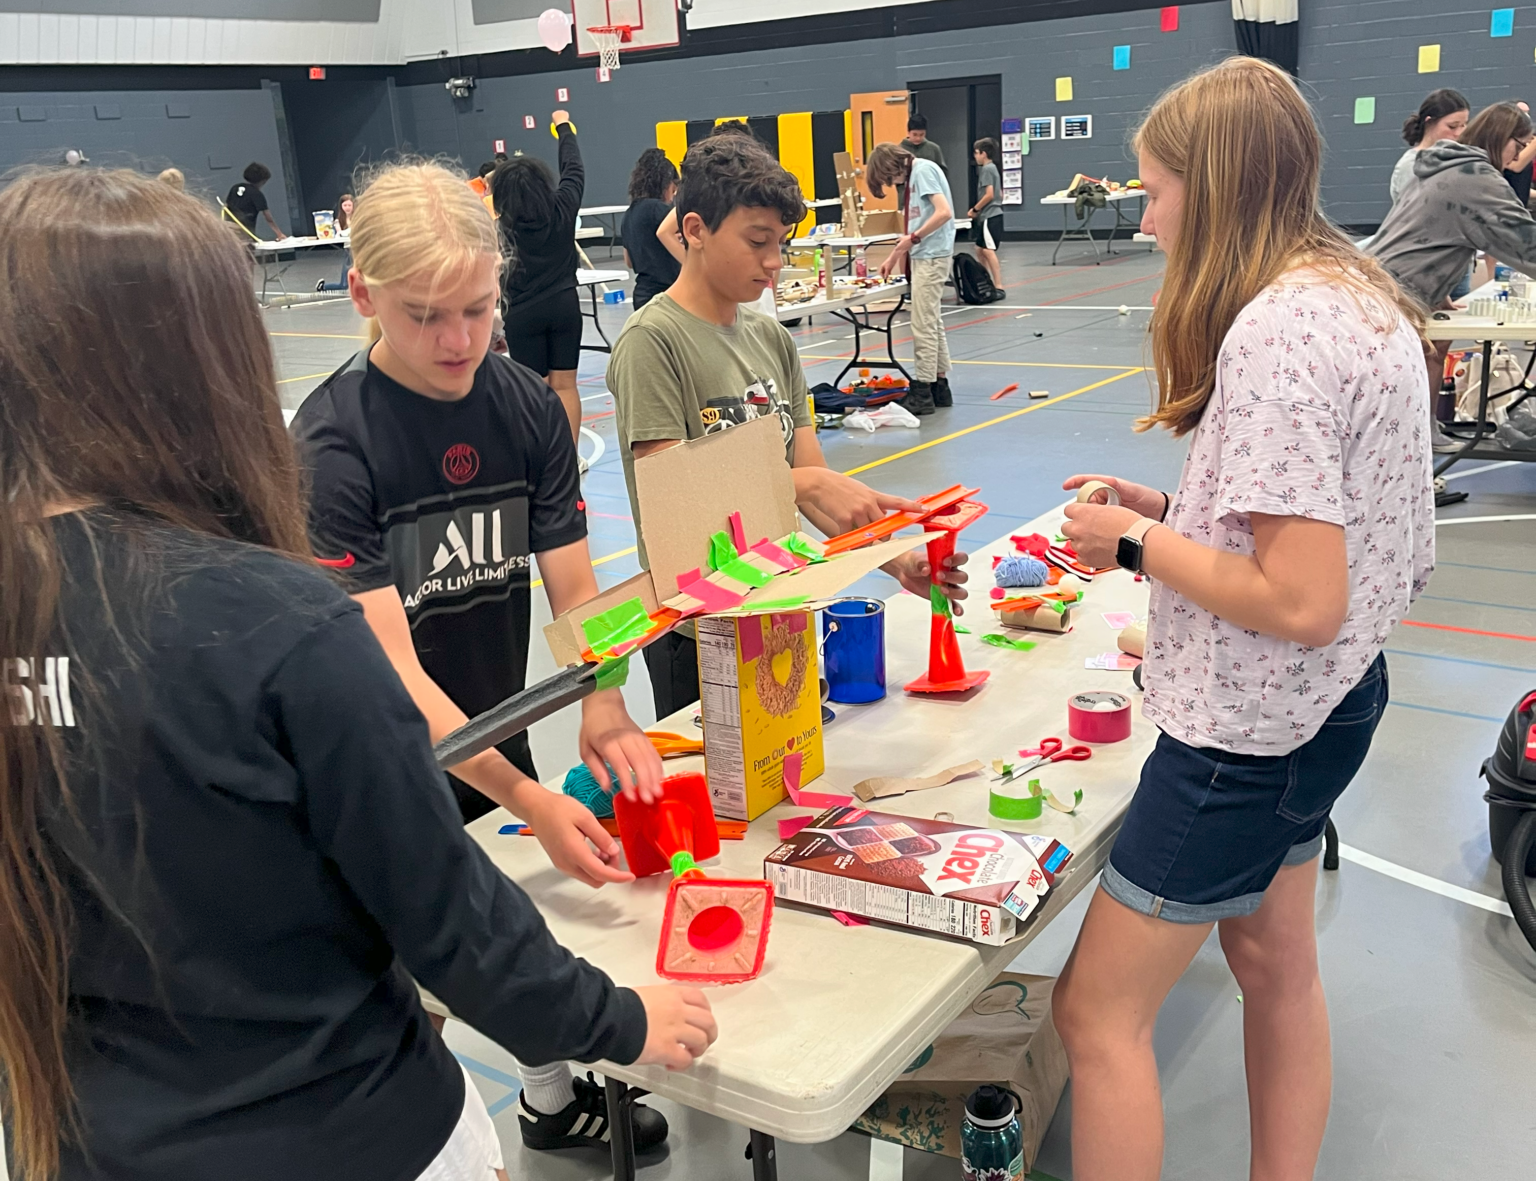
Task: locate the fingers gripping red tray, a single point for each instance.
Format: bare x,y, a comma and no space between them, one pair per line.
980,884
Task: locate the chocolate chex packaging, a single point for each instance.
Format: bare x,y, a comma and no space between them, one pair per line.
977,883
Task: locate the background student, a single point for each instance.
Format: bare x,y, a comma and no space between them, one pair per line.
245,200
928,243
343,225
1300,533
986,214
918,143
438,473
227,846
540,307
1442,115
652,187
695,348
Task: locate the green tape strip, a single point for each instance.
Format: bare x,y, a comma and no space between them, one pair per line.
722,551
779,604
745,572
617,625
611,674
939,600
682,862
797,545
998,640
1008,807
962,631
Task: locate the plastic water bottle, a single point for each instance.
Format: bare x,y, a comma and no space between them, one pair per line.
991,1143
860,264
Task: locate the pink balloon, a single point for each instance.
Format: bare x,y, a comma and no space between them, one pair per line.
554,29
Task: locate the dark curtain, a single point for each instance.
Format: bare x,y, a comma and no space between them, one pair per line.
1268,29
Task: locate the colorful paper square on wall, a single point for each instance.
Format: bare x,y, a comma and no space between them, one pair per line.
1170,19
1365,110
1063,90
1429,59
1503,23
1122,57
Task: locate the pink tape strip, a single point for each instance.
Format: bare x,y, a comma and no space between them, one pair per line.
738,533
778,555
788,828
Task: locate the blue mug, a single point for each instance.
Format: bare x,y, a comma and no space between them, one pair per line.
853,650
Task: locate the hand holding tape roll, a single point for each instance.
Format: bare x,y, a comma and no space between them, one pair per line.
1092,488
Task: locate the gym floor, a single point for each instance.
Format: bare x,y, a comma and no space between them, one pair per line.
1431,988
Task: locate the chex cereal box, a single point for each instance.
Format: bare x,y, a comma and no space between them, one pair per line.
979,884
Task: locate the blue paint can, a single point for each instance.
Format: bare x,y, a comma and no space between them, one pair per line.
853,650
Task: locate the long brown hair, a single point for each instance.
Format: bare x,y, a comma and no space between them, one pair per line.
135,374
1243,140
1493,127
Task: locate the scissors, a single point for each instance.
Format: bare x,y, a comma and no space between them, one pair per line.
1052,751
668,744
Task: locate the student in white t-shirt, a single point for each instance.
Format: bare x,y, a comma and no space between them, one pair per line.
1301,530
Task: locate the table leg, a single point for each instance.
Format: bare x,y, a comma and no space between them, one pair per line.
621,1138
860,326
607,345
1482,414
764,1155
1065,226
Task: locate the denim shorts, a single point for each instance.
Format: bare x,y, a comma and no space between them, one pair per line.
1208,830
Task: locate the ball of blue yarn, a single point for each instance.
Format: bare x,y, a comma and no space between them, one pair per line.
1020,570
580,786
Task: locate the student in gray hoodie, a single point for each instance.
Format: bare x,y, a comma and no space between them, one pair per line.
1458,203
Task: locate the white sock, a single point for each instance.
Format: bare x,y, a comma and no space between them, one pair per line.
547,1089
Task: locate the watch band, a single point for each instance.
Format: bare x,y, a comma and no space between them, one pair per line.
1130,553
1140,529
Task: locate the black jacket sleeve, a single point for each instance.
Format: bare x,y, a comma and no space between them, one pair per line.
573,178
383,814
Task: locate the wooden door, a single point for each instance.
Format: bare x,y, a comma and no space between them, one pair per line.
876,118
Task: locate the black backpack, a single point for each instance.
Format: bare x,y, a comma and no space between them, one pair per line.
972,283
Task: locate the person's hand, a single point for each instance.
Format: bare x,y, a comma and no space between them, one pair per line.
565,827
898,253
1095,530
609,735
914,573
832,499
560,117
679,1026
1141,500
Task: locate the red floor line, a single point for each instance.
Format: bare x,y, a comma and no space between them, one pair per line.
1100,290
595,417
1469,631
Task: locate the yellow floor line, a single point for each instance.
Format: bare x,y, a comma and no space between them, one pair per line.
990,422
305,377
321,335
623,553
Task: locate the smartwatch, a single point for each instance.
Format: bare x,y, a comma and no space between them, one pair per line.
915,236
1130,551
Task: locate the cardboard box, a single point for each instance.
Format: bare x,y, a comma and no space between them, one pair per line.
761,706
955,879
882,221
1006,1038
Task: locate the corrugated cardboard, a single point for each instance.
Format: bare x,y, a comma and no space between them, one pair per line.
564,636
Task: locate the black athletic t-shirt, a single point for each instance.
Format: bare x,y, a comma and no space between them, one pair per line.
246,202
265,856
445,501
655,268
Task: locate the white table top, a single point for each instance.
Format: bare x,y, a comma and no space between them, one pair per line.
266,247
839,240
586,278
1461,326
589,232
839,1012
793,311
602,210
1122,195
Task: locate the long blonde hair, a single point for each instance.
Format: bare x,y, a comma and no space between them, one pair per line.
1242,138
418,218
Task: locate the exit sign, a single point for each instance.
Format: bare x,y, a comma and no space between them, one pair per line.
317,73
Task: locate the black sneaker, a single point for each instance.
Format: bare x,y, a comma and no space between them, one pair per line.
583,1122
942,397
920,400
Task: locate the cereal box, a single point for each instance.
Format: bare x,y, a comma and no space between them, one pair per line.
980,884
760,704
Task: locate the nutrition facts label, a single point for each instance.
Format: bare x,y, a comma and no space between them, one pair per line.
720,704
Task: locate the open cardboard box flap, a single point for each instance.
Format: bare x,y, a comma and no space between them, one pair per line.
687,494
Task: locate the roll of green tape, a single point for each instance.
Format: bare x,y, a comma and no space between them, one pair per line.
1006,806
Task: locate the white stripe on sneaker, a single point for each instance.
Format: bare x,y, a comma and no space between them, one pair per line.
581,1122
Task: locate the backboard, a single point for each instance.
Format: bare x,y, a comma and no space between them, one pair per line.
653,23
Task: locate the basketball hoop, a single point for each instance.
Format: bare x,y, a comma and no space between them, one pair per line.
607,38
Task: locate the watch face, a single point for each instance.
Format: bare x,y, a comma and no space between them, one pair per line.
1128,554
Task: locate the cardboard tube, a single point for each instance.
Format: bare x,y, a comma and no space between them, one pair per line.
1087,491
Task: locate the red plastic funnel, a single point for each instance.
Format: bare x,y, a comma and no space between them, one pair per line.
682,821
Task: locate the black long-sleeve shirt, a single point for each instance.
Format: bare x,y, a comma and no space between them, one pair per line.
544,255
268,856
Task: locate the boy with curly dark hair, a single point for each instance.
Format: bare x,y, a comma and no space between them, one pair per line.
693,360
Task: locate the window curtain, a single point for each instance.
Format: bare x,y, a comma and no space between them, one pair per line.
1267,29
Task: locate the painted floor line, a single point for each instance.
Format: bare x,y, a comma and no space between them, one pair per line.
1489,467
305,377
1060,307
1423,881
1508,668
1485,520
321,335
1475,566
1435,709
1468,631
1477,603
474,1066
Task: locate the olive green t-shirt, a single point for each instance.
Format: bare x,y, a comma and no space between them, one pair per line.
675,376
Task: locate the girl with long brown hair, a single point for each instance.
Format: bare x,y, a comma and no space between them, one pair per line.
224,846
1301,530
